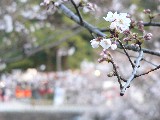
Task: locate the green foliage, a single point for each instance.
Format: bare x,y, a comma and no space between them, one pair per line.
23,64
83,51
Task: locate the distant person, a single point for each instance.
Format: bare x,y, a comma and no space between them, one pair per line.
3,94
35,92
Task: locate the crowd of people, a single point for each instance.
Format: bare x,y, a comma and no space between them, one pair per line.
81,86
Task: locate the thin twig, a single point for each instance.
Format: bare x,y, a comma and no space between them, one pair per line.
133,73
126,53
78,12
105,30
116,71
158,67
124,80
149,62
142,59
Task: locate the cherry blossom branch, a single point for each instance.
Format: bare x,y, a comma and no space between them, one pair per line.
157,24
95,30
117,26
158,67
126,53
133,73
98,32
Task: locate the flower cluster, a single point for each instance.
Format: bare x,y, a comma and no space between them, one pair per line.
90,7
45,2
52,5
86,6
119,22
104,43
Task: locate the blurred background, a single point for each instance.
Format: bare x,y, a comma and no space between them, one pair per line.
49,71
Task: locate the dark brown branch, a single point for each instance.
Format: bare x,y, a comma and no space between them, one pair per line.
126,53
134,48
133,73
157,24
124,80
104,30
78,12
158,67
116,71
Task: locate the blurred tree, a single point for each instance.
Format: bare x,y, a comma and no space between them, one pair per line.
29,34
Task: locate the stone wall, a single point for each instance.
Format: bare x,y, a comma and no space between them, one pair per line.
36,115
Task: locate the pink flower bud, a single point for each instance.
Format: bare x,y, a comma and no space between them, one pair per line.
147,11
148,36
102,53
100,60
127,39
104,56
126,32
140,26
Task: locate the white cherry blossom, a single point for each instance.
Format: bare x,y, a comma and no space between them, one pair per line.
123,22
120,22
86,10
114,46
111,16
94,43
45,2
113,25
105,43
